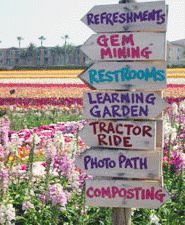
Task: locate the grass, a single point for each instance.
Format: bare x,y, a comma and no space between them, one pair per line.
29,119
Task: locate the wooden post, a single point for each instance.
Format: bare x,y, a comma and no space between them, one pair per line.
121,216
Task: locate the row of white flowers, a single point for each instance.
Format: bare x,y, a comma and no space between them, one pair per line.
67,81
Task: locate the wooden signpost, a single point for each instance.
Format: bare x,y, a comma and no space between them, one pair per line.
120,134
125,46
148,76
125,157
125,193
122,105
120,163
150,16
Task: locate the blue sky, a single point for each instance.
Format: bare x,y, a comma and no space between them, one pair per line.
55,18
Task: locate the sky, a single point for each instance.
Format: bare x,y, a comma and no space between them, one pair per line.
55,18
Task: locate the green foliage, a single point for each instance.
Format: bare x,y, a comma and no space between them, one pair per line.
176,66
46,67
33,118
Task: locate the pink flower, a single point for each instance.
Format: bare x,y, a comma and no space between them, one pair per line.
178,160
63,165
23,167
4,178
2,152
43,164
165,159
57,195
42,198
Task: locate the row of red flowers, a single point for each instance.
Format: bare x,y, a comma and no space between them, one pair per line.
14,85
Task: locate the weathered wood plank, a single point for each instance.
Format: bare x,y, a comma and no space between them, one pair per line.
145,16
122,105
120,163
126,75
120,134
125,46
124,193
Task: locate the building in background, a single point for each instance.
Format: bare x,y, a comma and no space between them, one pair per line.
176,52
70,56
42,57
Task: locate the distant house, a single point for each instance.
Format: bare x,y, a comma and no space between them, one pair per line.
41,56
176,52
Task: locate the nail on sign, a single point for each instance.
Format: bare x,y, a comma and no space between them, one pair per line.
120,134
125,46
121,75
122,105
146,16
120,163
124,193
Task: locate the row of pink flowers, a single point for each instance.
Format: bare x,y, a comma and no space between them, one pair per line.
40,101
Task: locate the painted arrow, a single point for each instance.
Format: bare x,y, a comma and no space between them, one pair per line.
122,105
123,76
124,193
125,46
120,134
146,16
120,163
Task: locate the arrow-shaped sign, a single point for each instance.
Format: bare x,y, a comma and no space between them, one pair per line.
125,46
146,16
126,75
122,105
120,163
120,134
124,193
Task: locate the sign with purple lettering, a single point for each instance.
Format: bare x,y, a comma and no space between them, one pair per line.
124,193
122,105
120,134
120,163
125,46
123,76
145,16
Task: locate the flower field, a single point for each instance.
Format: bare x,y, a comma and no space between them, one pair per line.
28,89
39,141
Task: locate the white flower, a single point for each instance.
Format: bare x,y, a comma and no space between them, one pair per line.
38,169
27,205
34,138
154,220
182,105
7,214
169,132
13,145
175,109
59,140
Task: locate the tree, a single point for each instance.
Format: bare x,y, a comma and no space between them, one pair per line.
57,50
41,38
65,37
19,38
31,53
67,50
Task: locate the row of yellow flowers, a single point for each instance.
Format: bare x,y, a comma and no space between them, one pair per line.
171,73
75,72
